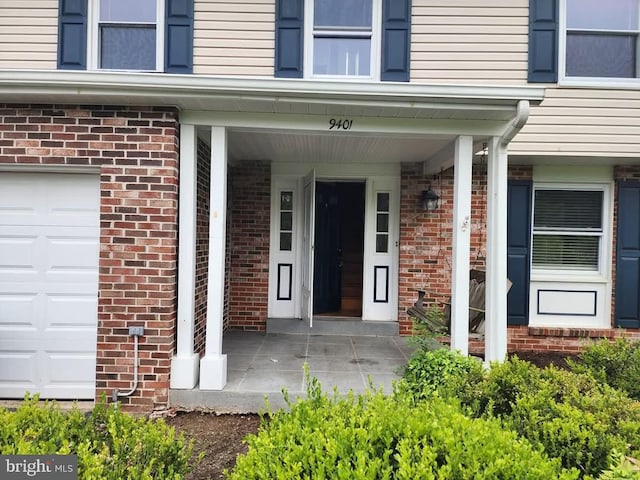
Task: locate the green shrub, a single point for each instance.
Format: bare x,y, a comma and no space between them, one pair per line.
572,416
579,437
442,370
614,363
622,468
109,444
373,436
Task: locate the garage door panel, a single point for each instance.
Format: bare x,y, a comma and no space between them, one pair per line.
59,371
71,311
51,199
49,246
17,309
17,252
68,341
61,391
18,367
71,256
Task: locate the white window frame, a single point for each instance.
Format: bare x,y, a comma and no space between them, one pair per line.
604,250
93,33
376,40
592,82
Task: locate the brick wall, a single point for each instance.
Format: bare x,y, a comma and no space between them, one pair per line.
136,150
202,245
248,244
426,237
425,257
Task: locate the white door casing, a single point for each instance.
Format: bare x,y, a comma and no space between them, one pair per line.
49,245
291,177
381,249
308,238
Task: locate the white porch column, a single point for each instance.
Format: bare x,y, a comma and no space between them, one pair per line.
184,364
213,366
463,157
496,290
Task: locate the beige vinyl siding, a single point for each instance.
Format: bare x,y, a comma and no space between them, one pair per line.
234,37
582,121
28,34
469,42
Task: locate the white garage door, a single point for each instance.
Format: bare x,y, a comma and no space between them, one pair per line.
49,240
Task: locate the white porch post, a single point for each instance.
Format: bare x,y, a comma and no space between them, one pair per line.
184,364
213,366
461,244
496,291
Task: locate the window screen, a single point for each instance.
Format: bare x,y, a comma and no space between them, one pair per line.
127,34
601,38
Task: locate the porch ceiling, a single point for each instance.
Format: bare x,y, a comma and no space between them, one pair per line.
317,148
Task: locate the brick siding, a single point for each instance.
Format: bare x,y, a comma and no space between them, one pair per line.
425,257
136,150
426,237
202,245
248,245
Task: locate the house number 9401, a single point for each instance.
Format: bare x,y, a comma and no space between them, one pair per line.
340,124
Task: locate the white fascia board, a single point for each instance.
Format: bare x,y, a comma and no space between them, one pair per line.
147,86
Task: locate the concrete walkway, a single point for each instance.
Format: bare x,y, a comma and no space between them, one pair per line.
263,364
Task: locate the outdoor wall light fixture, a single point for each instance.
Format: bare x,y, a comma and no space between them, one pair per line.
429,199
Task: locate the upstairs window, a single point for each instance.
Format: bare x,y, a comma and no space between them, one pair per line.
601,38
568,228
128,35
343,38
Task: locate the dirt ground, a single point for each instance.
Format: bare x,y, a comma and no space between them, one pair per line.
220,436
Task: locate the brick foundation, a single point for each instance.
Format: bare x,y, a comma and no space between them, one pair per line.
136,151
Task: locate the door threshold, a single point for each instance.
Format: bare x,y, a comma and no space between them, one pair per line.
333,326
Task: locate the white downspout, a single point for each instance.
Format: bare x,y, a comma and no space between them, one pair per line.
522,115
496,292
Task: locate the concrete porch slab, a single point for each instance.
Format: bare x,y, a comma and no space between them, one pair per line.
262,365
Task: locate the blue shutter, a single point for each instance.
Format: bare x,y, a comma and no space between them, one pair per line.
543,41
72,34
628,256
518,250
289,38
396,40
178,43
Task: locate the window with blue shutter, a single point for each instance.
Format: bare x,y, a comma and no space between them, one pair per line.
125,35
543,41
627,312
365,39
518,250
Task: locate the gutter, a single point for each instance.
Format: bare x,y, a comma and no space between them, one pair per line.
161,85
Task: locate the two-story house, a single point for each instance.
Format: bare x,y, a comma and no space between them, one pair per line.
195,166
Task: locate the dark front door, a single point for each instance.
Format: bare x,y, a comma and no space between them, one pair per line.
328,249
339,247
